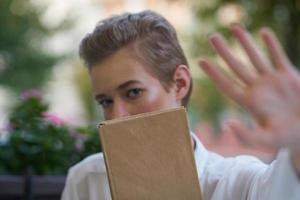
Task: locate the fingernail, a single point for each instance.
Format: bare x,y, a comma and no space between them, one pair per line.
211,36
202,61
214,38
203,64
264,30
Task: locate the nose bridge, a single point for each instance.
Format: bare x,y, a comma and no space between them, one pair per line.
120,108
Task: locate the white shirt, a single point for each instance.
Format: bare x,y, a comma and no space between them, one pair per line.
238,178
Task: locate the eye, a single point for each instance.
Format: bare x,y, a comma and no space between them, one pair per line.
105,102
134,93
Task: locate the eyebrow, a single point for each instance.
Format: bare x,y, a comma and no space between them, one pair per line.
120,87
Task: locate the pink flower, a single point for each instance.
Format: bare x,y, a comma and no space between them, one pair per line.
9,126
78,146
54,119
77,135
32,93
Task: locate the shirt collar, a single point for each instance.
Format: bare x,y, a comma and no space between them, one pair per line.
201,155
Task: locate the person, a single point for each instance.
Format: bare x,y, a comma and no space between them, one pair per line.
136,65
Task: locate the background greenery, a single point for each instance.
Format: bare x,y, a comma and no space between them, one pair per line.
42,141
25,61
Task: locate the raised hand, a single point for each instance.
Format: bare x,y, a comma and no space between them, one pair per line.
270,92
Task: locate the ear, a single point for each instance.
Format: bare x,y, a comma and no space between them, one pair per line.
182,80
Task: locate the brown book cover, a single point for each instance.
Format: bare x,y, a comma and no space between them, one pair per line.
150,156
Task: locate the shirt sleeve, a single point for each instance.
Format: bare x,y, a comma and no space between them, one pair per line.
247,178
85,183
70,190
278,181
285,182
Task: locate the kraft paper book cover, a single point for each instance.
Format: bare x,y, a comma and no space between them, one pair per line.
150,156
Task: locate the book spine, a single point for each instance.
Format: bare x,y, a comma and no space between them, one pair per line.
192,155
106,161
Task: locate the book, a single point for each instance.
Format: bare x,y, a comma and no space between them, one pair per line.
150,156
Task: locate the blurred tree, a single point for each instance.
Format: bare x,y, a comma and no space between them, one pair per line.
24,60
82,82
282,16
206,102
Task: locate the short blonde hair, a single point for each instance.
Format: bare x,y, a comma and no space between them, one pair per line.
151,36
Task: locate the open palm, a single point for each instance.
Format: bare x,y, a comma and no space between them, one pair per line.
271,92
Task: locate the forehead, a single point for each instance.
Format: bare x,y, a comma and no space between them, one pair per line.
120,67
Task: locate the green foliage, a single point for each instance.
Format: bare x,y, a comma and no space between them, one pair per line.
82,82
91,143
24,62
42,141
209,100
282,16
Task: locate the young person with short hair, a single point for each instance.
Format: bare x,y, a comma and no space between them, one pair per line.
137,65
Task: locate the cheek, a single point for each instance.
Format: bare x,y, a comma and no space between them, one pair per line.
154,100
150,106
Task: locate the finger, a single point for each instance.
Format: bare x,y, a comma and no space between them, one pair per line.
253,137
295,80
256,57
222,81
237,67
278,56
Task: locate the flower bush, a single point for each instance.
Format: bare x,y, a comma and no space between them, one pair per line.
42,141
